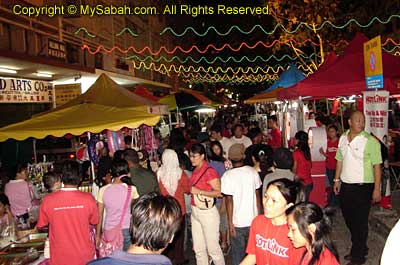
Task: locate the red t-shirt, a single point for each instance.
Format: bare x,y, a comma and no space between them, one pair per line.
326,258
203,183
69,214
183,187
276,138
303,170
331,153
270,244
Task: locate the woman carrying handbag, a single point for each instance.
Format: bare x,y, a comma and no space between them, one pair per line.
205,188
115,199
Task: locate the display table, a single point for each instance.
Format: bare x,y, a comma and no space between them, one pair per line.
26,250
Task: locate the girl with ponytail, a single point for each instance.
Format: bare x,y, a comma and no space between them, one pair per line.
302,161
309,227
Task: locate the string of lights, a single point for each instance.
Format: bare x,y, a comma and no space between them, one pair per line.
216,59
261,28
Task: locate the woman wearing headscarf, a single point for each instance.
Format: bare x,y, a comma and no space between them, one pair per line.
173,181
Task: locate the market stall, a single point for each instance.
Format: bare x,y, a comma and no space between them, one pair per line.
341,77
344,75
108,111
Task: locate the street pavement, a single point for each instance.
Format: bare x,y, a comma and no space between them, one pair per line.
341,238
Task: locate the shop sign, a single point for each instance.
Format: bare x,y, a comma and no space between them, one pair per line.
56,49
158,109
373,63
376,106
16,90
65,93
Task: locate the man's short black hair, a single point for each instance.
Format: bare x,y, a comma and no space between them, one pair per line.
71,173
128,140
49,179
283,158
253,133
216,128
131,155
155,219
237,125
273,117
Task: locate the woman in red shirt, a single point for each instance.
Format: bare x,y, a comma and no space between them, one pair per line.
205,222
302,162
309,227
268,241
173,181
332,146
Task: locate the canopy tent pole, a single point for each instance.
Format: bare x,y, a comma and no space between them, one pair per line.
256,111
91,162
327,106
314,107
133,138
341,116
34,150
170,121
178,113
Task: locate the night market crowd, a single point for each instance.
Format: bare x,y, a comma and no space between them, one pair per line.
229,191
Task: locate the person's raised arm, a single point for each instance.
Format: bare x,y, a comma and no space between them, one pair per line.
250,259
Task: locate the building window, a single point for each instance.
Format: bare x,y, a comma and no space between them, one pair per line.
98,61
72,53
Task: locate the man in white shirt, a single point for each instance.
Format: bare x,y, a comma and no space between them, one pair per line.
241,186
238,137
216,134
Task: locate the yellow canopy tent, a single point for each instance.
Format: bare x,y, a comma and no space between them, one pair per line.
108,93
265,97
77,120
105,105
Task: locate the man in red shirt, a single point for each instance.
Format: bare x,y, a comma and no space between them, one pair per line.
69,214
275,137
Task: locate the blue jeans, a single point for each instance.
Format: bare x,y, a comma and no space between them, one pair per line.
333,200
127,238
238,244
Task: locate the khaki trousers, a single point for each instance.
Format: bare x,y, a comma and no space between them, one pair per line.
205,234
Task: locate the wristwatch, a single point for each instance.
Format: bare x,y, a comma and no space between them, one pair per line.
336,180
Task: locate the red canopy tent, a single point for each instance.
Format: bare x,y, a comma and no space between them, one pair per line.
345,76
144,92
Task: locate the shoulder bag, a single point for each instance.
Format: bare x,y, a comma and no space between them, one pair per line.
203,202
113,239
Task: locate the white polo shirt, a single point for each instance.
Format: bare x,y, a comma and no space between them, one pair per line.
358,158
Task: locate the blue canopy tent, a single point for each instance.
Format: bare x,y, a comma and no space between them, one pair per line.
288,78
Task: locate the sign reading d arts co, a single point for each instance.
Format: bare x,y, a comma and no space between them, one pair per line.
16,90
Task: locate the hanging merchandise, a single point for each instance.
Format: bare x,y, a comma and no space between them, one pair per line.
36,171
82,154
91,148
317,140
360,104
335,106
118,140
111,144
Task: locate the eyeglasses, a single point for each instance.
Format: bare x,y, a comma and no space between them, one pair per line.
194,156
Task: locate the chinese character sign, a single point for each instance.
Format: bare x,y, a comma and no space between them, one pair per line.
16,90
373,63
65,93
376,104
